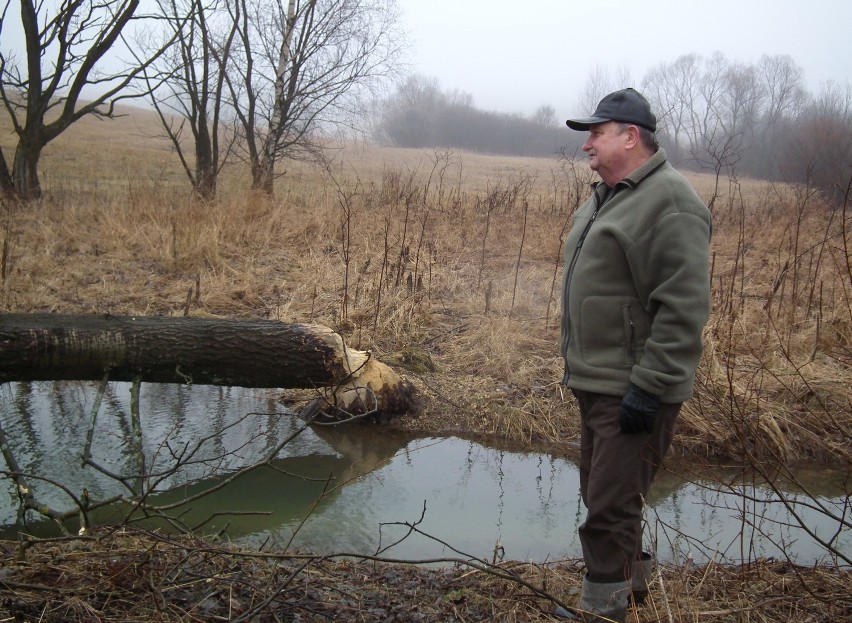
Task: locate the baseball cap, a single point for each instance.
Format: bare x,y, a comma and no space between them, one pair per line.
627,106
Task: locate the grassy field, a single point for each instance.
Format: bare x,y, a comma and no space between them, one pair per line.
445,265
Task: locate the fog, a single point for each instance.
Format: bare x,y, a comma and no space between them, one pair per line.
514,57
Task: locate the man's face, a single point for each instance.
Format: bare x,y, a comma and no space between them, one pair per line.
605,148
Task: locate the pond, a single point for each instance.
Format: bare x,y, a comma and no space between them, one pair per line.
364,490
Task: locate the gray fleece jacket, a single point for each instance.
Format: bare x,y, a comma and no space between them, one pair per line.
636,286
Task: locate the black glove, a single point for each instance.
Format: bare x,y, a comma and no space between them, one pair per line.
638,411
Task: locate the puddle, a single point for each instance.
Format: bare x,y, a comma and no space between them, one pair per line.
364,490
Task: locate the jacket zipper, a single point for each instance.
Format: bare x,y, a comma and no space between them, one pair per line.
566,329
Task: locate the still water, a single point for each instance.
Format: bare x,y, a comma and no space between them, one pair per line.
363,490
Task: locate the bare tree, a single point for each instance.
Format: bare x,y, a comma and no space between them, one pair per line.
741,101
191,92
784,99
66,46
408,115
709,107
600,81
819,148
544,115
674,89
301,69
783,84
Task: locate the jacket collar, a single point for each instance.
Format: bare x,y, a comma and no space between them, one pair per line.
646,169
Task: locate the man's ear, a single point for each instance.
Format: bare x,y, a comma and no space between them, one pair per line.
632,136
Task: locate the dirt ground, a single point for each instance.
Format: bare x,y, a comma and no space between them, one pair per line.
144,577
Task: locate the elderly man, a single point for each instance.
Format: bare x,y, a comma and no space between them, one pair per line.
635,300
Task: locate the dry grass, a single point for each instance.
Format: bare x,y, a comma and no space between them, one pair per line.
450,259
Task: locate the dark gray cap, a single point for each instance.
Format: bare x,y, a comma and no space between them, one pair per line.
627,106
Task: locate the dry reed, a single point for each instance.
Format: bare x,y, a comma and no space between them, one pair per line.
455,255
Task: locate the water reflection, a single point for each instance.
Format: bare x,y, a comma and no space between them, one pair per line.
359,489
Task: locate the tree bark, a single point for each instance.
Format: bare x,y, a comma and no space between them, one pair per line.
201,351
7,185
25,171
266,178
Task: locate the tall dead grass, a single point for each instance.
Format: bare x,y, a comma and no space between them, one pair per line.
775,377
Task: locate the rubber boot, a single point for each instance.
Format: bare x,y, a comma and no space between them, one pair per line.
643,573
600,602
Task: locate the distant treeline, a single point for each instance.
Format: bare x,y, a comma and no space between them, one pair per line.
735,119
420,114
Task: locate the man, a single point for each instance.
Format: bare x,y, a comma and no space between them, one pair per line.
635,300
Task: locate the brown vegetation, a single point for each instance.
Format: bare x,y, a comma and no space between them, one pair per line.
145,577
445,266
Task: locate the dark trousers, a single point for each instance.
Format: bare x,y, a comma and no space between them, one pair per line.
616,471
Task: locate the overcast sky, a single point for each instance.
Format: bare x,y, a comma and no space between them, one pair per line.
514,56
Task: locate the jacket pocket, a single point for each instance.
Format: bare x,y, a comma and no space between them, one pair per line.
612,331
629,334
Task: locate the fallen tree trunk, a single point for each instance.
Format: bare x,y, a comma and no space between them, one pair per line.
201,351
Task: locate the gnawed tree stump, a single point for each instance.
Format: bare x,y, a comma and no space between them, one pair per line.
201,351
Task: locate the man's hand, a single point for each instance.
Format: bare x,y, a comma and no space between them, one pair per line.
638,411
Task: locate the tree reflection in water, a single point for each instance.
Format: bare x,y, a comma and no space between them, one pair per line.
358,488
